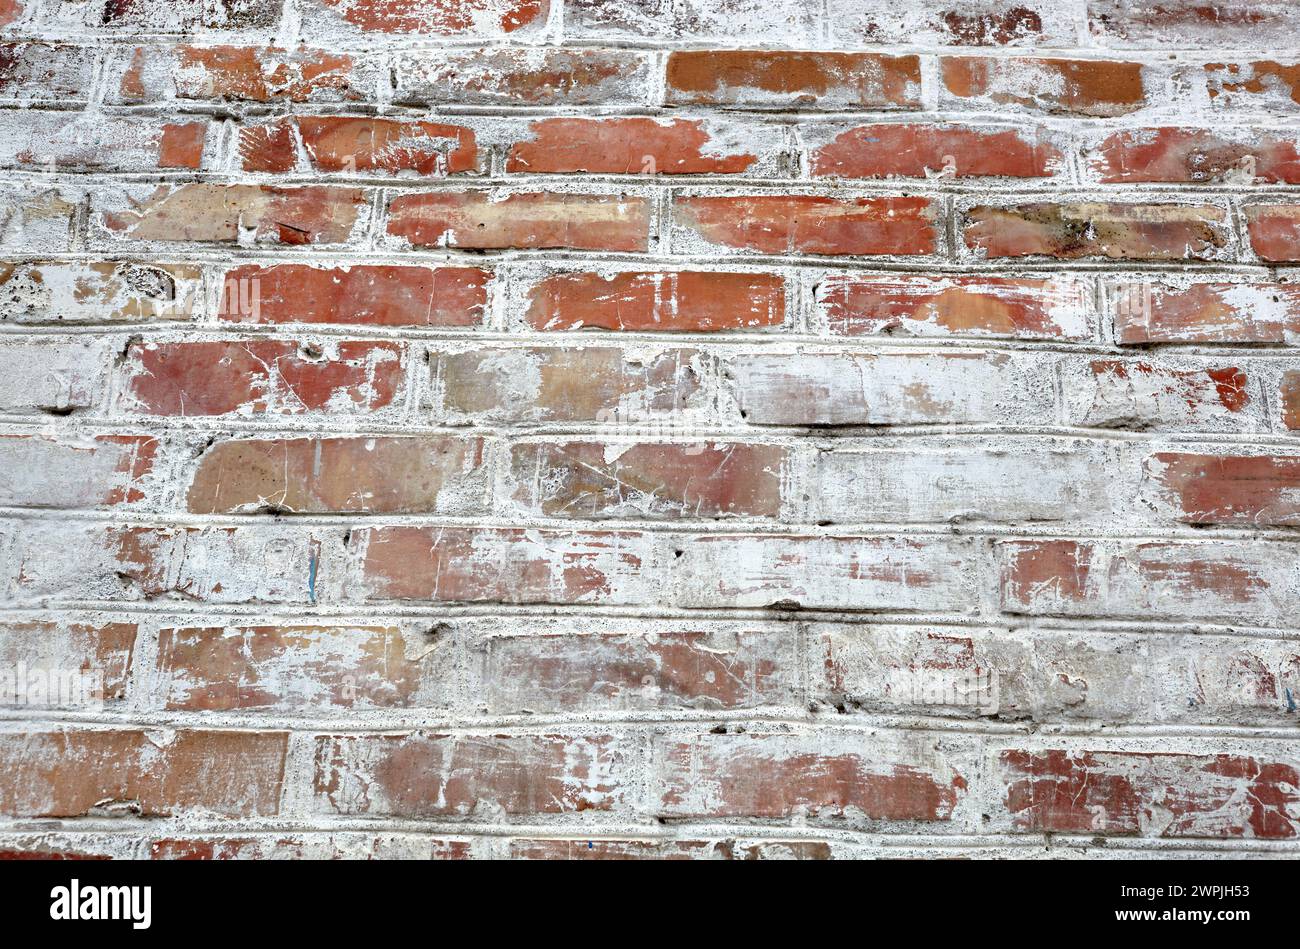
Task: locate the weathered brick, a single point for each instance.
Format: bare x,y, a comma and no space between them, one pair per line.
487,19
241,214
1165,794
1151,311
72,773
661,481
809,388
943,151
532,76
45,72
559,384
1224,581
1159,24
795,23
1291,400
1025,23
778,79
1097,229
515,565
639,146
181,16
657,301
1017,480
1085,87
261,376
60,140
356,145
1250,490
484,220
1274,231
1265,84
824,776
35,220
311,846
1002,307
56,377
238,74
51,291
76,561
1196,156
427,775
90,472
377,475
1046,676
45,654
808,224
601,671
1159,396
295,668
355,295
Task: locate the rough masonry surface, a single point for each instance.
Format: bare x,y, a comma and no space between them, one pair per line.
649,428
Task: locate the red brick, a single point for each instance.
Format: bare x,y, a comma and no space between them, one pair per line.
556,384
1152,312
483,221
227,214
625,146
376,475
49,472
661,481
75,773
1250,490
675,849
102,651
926,151
1166,794
1096,229
12,11
489,18
684,301
339,143
1196,156
286,668
807,224
1055,86
779,776
533,76
1002,307
599,671
239,74
1291,400
355,295
1274,231
424,775
1245,581
261,375
782,79
81,292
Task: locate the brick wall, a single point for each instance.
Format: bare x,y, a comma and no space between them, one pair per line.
701,428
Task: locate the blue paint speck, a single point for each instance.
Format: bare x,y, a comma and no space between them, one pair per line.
1290,701
311,580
